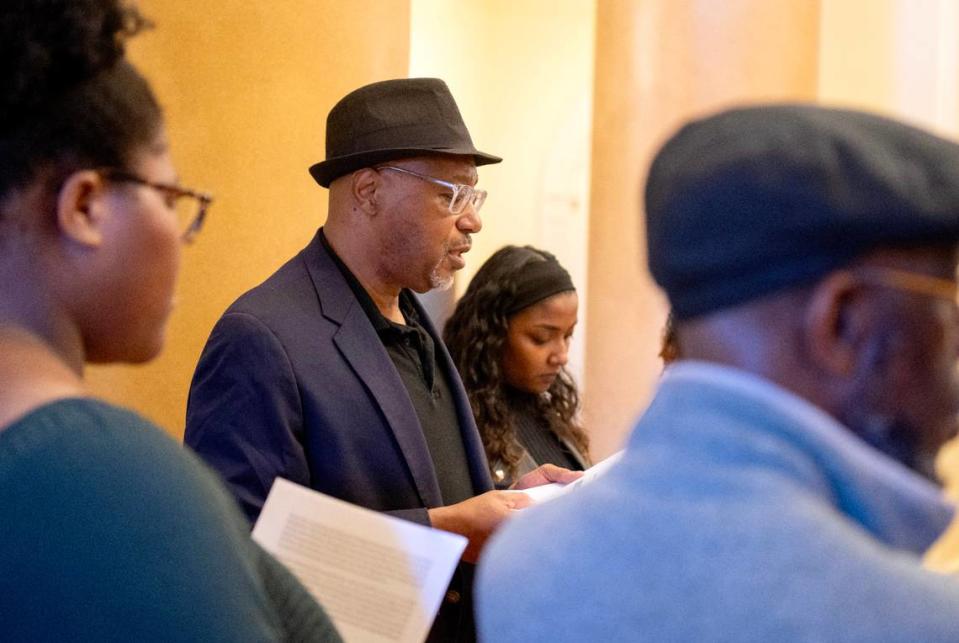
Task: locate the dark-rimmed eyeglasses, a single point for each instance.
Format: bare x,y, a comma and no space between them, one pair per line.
191,206
462,196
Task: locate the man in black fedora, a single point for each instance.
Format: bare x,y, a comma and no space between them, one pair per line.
329,373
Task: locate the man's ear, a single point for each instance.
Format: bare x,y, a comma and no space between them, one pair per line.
81,208
363,186
836,324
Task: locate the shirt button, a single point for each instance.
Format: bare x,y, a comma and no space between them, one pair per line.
453,597
436,394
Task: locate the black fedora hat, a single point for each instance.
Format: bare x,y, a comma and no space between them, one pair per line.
393,119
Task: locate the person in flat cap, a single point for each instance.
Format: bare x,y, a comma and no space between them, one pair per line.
776,488
330,373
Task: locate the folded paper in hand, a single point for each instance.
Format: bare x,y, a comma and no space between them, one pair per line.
555,489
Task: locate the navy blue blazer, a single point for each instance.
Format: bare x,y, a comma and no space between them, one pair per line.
295,382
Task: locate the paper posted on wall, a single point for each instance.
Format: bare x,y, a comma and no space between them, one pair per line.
379,578
554,490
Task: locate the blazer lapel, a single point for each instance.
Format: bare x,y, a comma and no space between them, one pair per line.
361,347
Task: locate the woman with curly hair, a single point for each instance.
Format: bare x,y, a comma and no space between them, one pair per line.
509,337
111,531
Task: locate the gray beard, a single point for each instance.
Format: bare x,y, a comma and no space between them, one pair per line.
436,281
440,283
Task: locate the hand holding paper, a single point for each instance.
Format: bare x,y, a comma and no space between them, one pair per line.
546,474
477,518
546,492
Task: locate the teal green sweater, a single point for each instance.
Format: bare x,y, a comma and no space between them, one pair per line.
110,531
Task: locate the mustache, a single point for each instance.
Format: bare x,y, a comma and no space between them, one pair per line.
463,246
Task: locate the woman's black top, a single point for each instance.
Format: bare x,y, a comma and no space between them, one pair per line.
533,433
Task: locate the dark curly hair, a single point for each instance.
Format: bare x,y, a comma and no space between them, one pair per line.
69,100
476,336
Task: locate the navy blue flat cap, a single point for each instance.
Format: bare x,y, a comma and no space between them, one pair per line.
751,201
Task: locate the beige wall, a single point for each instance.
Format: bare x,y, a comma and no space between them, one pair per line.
658,62
246,87
522,74
898,57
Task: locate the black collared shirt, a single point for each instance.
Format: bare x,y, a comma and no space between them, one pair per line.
413,354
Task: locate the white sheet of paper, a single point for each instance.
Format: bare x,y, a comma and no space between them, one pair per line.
546,492
379,578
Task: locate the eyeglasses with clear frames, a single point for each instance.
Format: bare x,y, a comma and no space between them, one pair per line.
463,195
191,206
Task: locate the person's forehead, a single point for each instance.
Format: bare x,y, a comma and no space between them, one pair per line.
562,305
459,169
153,160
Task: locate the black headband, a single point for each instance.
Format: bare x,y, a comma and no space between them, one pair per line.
541,279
